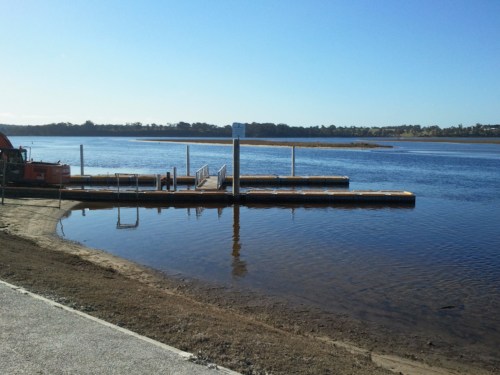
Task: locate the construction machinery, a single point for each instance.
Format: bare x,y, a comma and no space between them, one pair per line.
15,168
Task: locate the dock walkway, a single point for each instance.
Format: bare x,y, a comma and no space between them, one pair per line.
210,183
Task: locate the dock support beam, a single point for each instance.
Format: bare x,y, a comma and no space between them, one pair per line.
293,160
187,161
236,167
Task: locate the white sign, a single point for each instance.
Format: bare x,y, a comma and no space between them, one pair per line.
238,130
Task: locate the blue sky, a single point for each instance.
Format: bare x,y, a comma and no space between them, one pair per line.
309,62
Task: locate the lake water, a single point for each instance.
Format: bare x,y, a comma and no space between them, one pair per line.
436,264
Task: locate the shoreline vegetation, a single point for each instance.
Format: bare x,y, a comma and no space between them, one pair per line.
252,130
247,332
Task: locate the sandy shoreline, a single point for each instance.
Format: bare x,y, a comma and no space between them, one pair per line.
243,331
36,220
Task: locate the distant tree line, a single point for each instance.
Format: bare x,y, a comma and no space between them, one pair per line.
253,130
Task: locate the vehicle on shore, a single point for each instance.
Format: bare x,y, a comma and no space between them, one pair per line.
15,168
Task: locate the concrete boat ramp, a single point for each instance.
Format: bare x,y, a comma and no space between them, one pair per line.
267,190
39,336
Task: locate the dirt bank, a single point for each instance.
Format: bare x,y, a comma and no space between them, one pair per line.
246,332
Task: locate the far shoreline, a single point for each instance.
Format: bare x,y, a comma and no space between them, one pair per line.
495,141
266,143
363,143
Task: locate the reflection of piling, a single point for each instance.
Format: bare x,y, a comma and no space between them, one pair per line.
239,266
236,230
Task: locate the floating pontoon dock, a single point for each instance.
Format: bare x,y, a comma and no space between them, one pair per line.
245,180
272,189
271,196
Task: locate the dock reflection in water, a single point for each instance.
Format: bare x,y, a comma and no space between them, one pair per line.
239,266
121,225
128,217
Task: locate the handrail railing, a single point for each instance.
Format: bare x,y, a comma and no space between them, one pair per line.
129,175
221,176
201,175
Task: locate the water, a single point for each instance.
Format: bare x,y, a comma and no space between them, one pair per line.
433,265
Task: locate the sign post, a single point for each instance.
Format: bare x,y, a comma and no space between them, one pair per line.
238,132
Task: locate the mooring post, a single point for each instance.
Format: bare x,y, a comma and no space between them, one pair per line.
175,178
158,182
168,181
236,167
118,184
60,188
4,172
187,161
293,160
81,161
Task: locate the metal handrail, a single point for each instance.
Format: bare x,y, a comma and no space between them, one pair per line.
201,175
129,175
221,176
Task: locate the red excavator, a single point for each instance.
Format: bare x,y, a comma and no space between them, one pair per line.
19,170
